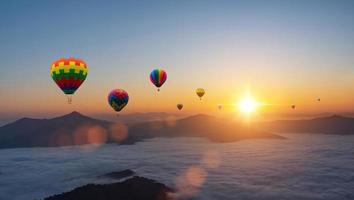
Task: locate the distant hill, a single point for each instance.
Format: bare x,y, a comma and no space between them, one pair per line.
139,117
217,130
325,125
131,189
77,129
27,132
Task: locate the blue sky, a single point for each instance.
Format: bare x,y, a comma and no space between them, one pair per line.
225,46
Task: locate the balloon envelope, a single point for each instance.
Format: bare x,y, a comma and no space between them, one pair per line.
118,99
69,74
293,106
200,92
220,106
158,77
179,106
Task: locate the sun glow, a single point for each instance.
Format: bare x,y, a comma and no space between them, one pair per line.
247,105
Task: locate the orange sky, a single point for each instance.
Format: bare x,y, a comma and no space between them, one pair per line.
284,54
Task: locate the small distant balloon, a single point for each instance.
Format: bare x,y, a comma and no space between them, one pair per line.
69,74
158,77
318,99
220,106
179,106
200,92
293,106
118,99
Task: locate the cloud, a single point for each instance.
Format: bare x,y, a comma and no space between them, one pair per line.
303,167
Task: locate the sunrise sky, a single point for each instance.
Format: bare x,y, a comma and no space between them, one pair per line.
282,52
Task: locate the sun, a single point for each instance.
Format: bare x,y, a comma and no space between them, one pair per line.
247,105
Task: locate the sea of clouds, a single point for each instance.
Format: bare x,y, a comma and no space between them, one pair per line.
302,167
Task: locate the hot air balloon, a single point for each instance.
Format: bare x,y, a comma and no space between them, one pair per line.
200,92
118,99
293,106
318,99
158,77
69,74
220,106
179,106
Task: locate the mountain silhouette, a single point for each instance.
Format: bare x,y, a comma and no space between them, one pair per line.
334,124
77,129
28,132
217,130
140,117
135,188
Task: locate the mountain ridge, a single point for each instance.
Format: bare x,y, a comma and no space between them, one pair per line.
333,124
77,129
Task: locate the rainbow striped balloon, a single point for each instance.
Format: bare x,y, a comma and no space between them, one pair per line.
118,99
158,77
69,74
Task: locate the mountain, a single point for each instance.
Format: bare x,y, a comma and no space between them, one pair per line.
77,129
217,130
334,124
139,117
135,188
58,131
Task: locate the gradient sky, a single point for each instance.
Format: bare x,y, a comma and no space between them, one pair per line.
283,52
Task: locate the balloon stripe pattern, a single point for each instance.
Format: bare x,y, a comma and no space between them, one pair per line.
118,99
158,77
69,74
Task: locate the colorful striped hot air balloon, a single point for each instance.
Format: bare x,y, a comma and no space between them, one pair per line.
118,99
158,77
69,74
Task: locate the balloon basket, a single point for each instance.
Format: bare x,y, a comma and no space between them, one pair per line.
69,100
